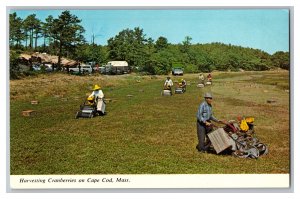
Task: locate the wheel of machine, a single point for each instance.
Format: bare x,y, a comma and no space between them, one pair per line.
262,148
253,152
247,151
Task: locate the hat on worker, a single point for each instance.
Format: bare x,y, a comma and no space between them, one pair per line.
96,87
207,95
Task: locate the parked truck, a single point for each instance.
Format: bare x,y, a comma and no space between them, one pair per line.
177,71
84,68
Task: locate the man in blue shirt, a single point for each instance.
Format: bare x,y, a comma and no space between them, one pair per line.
204,118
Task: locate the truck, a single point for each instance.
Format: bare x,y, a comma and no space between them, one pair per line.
177,71
84,68
117,67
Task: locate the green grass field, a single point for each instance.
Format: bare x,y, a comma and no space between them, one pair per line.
146,133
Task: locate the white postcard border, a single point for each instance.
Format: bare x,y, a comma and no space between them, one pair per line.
150,181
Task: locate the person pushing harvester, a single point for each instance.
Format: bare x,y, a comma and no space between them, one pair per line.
201,79
168,86
93,105
238,137
180,87
168,83
204,125
98,96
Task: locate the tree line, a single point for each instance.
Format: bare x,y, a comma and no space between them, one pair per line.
63,36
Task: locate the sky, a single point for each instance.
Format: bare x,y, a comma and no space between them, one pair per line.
265,29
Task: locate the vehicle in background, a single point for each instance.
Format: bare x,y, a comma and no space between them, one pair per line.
92,63
177,71
97,68
117,68
48,67
84,68
43,67
102,69
36,67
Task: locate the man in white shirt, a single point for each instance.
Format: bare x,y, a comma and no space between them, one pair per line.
201,78
168,84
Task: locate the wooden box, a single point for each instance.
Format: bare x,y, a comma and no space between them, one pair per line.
200,85
27,113
34,102
220,140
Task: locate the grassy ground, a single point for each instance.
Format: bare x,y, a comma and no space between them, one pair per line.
145,133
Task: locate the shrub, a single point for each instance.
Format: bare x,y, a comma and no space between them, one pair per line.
14,68
191,69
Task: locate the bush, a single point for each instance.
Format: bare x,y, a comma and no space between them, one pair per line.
206,68
30,73
14,68
191,69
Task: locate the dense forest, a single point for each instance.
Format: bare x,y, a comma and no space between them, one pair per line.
63,36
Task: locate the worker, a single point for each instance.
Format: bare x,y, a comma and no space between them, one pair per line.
97,68
204,125
91,100
168,84
209,77
98,96
183,84
201,78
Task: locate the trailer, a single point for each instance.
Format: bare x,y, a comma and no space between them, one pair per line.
117,67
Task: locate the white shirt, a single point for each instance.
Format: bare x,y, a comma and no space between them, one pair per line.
201,77
98,94
169,82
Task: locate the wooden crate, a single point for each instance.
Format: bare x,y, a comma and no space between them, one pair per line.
200,85
220,140
270,101
34,102
27,113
